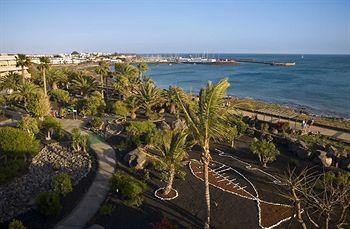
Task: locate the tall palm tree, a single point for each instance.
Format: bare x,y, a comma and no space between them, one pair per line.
142,67
84,84
148,95
22,61
44,66
102,69
206,124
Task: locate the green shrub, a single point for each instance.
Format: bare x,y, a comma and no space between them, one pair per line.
29,125
16,224
48,203
38,105
51,125
16,143
266,150
94,105
140,130
11,169
79,140
60,96
120,109
106,209
96,122
62,184
129,187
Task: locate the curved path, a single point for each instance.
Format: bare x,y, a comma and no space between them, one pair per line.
93,198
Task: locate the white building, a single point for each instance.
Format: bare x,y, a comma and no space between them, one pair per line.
8,65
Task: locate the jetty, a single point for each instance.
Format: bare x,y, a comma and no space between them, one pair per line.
273,63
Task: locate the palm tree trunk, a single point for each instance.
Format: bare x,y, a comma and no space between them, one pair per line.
54,85
23,79
101,78
206,160
169,185
44,79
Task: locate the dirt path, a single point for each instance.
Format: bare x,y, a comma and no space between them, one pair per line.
98,190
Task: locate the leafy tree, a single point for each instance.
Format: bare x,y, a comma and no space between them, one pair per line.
44,66
16,143
79,140
22,61
120,109
48,203
102,69
142,67
148,95
94,105
38,105
84,84
16,224
29,124
62,184
51,125
266,150
60,96
129,187
235,128
172,147
205,124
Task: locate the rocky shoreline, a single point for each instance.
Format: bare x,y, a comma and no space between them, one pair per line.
18,196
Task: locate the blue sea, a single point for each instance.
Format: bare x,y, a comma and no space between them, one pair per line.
317,83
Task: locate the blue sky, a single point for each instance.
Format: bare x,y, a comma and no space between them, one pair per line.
169,26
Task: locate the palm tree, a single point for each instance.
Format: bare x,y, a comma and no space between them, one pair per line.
22,61
142,67
43,66
102,69
84,84
23,92
206,124
10,81
125,69
56,77
172,146
148,95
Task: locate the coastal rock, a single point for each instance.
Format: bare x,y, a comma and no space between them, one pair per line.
18,196
136,158
331,151
299,148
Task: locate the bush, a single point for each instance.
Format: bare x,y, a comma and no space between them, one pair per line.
48,203
51,125
62,184
11,169
120,109
138,131
96,122
106,209
94,105
129,187
15,143
266,150
79,140
60,96
16,224
29,125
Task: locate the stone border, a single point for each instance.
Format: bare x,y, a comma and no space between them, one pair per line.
165,198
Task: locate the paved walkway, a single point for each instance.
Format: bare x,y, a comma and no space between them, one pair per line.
340,135
93,198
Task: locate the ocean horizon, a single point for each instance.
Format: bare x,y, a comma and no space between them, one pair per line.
318,83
